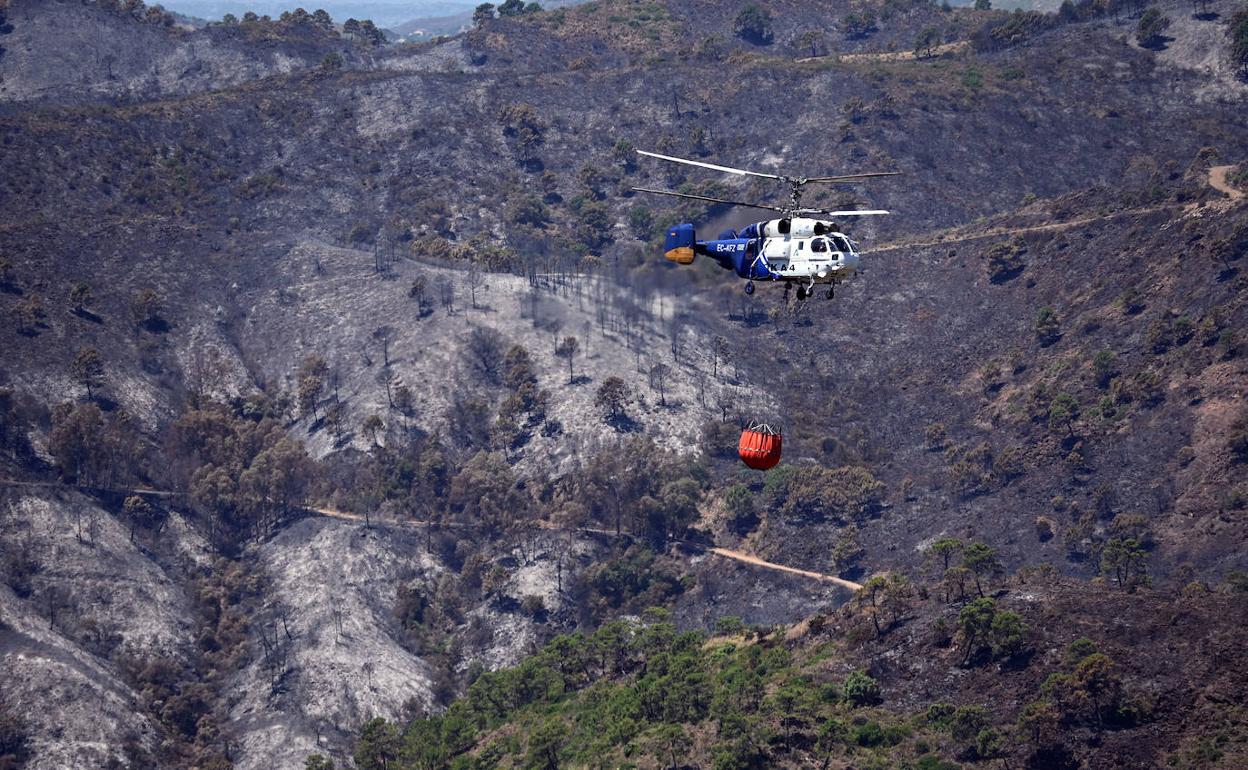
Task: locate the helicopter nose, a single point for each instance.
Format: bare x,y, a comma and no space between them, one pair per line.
851,261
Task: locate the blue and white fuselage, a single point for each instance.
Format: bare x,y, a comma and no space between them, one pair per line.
801,251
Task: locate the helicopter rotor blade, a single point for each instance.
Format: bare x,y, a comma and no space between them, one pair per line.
781,177
712,166
710,199
848,213
851,177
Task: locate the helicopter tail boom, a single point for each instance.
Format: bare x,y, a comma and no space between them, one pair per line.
680,243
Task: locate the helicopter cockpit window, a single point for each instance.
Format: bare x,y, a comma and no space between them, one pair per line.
819,245
841,243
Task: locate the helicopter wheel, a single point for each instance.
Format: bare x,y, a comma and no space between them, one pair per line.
831,291
749,287
802,293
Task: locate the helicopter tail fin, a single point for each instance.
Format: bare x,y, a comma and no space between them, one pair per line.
679,244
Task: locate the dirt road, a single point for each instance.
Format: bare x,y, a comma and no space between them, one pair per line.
724,552
355,517
1217,180
954,236
757,562
940,50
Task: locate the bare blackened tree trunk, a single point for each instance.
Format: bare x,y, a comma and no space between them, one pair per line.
475,281
446,291
383,335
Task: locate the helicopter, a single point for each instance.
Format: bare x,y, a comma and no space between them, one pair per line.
798,248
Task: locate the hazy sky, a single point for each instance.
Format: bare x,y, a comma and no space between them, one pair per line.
382,12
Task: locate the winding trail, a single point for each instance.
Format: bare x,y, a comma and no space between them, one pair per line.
334,513
757,562
1217,180
939,50
727,553
954,236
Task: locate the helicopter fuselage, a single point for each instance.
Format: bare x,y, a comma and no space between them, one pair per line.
790,250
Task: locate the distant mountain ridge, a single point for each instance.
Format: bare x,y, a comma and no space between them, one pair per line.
384,13
451,24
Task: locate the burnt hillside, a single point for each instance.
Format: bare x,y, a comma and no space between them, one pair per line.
359,368
237,219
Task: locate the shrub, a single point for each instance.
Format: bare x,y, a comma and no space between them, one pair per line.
860,689
1008,634
1015,28
410,607
1048,326
869,734
1079,649
1045,528
1227,344
612,398
528,210
940,714
1148,32
1237,31
987,743
533,605
847,552
966,722
1009,464
1063,411
1238,440
511,8
1105,367
88,369
1183,329
1125,560
80,296
1160,335
858,23
814,493
1130,301
145,308
640,219
925,44
1146,387
739,503
1005,260
1235,582
753,24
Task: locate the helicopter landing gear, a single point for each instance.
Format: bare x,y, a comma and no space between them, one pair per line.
831,291
807,291
749,287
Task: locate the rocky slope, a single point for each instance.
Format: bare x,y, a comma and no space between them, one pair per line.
58,51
